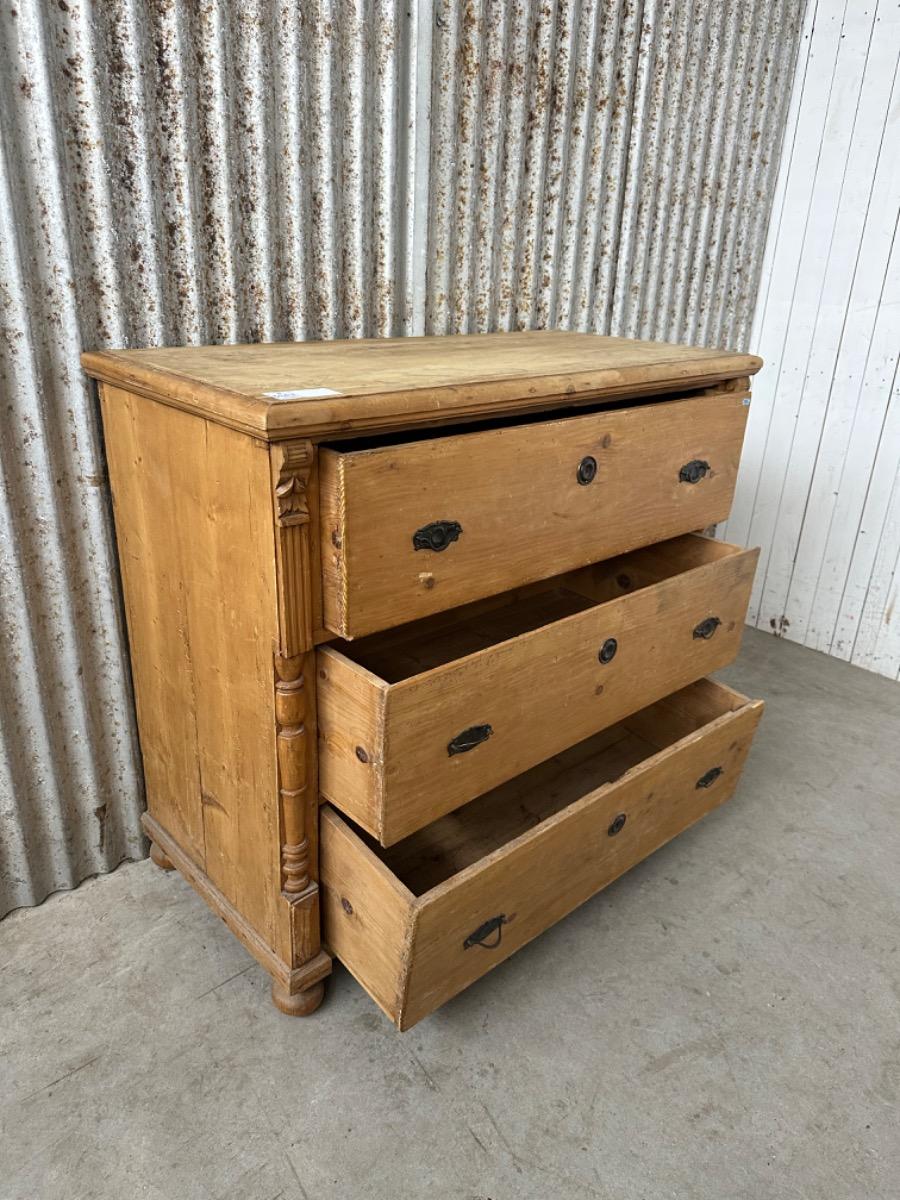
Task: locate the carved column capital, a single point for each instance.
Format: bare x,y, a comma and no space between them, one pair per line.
293,476
292,462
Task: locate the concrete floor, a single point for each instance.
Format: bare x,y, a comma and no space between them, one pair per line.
724,1022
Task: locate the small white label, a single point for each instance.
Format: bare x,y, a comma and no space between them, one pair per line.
303,394
746,402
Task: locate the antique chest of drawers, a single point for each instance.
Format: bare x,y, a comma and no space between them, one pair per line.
420,631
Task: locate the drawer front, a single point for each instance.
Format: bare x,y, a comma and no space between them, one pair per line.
396,756
413,952
409,530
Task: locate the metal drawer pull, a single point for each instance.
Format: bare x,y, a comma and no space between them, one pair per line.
479,936
436,536
707,628
693,471
617,825
710,777
608,650
587,470
469,739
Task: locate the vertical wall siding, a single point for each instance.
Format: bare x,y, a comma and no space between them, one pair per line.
819,488
184,172
604,165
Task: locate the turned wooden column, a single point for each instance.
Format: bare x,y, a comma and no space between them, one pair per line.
293,466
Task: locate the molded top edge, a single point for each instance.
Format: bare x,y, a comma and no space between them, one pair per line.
289,389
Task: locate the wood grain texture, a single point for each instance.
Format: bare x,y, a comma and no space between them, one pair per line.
352,741
228,741
420,958
194,519
294,511
398,382
244,540
384,746
291,980
367,913
516,494
297,1004
294,713
157,613
296,544
539,879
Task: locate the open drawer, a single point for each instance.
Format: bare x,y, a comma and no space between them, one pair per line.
410,528
416,721
419,922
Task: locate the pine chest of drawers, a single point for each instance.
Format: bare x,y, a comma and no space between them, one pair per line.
420,631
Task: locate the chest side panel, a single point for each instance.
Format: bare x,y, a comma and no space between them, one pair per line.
194,526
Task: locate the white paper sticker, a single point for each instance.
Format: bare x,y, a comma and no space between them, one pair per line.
303,394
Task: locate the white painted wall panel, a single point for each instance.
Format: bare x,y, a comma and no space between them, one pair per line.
818,488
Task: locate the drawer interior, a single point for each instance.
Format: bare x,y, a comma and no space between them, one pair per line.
419,921
461,839
352,443
408,650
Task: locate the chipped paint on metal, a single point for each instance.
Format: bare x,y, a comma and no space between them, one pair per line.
212,171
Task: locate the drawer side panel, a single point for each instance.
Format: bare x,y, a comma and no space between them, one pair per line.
352,743
367,914
333,539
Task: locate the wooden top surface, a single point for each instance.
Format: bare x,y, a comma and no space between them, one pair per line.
286,389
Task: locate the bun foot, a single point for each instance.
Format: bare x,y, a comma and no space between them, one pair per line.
162,861
300,1004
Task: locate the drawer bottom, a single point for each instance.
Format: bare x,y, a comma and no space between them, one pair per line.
419,921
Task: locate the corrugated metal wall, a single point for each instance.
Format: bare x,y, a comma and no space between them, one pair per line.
207,171
819,487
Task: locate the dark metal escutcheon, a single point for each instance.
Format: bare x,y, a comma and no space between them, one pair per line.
608,650
693,471
710,777
587,470
469,739
479,936
436,536
617,825
707,628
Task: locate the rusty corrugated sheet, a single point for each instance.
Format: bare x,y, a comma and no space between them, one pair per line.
202,170
605,166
